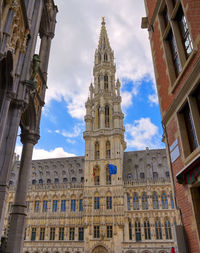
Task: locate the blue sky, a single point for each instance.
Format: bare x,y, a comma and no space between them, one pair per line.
70,73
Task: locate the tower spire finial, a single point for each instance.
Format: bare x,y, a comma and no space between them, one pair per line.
103,21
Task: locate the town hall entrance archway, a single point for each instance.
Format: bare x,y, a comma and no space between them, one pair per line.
99,249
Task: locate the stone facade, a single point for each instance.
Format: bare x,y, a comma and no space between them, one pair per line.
174,32
76,205
23,82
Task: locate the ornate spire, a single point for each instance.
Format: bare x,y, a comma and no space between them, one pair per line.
103,39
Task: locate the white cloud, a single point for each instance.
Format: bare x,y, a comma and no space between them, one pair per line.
142,133
77,33
44,154
153,98
77,130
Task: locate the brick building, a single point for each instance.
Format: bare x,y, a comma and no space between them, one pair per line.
174,32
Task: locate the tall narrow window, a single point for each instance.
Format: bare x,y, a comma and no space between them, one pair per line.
109,232
96,232
106,82
144,201
128,202
45,206
96,202
155,201
99,58
81,234
52,234
63,205
42,234
158,230
190,129
107,120
108,176
136,202
61,233
172,200
138,231
164,201
174,52
71,234
33,234
147,230
99,83
73,205
168,231
96,175
37,206
105,57
98,117
130,231
107,149
97,152
80,205
185,35
55,206
109,202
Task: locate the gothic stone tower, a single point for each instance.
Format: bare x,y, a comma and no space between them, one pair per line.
104,144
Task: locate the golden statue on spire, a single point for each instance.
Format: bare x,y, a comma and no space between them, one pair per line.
103,21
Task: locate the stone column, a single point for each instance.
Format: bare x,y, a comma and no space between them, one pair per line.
18,215
6,153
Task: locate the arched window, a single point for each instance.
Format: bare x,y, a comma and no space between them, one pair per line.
168,231
155,201
108,176
107,121
97,153
48,180
164,201
158,229
106,82
130,230
128,202
107,149
147,230
172,200
136,202
144,201
98,117
137,231
96,175
99,83
105,57
99,58
64,180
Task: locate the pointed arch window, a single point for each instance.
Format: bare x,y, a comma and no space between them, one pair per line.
136,202
99,58
106,82
99,79
138,231
130,230
97,152
144,201
158,230
96,175
107,149
168,231
105,57
98,117
107,120
128,202
172,200
155,201
147,230
108,176
164,201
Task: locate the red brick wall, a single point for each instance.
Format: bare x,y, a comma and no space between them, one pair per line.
183,196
